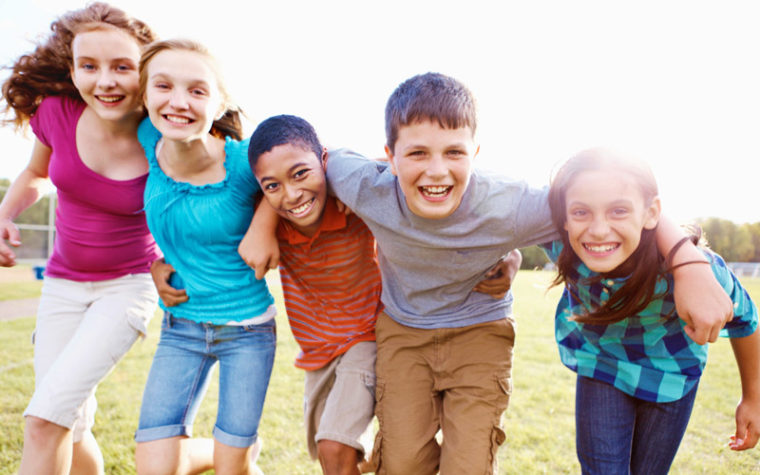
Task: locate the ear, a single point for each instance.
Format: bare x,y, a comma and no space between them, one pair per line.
653,213
324,157
477,150
391,160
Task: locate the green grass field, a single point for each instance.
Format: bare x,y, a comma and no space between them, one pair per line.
539,422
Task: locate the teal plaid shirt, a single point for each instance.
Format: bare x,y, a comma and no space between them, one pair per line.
648,356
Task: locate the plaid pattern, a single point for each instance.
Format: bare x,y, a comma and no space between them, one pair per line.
648,356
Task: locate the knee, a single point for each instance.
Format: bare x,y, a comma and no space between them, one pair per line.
148,462
40,430
337,458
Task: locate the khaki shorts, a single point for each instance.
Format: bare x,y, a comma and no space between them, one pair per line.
457,380
339,399
83,329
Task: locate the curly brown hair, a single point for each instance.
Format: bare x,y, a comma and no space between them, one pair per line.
46,71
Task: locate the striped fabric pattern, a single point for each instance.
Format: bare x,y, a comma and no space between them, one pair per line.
331,285
648,355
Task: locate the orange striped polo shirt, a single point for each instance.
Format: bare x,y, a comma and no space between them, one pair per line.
331,285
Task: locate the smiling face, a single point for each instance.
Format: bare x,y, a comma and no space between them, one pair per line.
433,166
105,72
605,214
182,95
294,184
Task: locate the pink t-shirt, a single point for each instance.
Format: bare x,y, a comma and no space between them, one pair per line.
100,224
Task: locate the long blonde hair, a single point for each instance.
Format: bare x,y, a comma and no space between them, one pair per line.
230,124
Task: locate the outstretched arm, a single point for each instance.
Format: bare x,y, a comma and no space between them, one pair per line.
747,353
499,278
700,300
259,248
24,191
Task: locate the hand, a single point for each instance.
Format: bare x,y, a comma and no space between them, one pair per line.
747,425
701,302
498,279
8,232
342,207
260,251
161,272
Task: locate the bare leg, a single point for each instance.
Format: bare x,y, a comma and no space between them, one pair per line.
337,458
230,460
47,448
87,458
175,455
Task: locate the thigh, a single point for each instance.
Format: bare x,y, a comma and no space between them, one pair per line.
604,421
658,433
178,379
350,403
62,307
475,395
407,406
246,356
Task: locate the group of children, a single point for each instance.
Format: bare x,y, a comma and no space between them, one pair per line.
391,300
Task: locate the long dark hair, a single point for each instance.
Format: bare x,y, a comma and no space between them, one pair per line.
46,71
641,269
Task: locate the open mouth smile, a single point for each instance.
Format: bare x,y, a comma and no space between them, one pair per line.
110,99
302,209
601,248
435,192
177,119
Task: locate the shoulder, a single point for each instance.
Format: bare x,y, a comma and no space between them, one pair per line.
148,136
54,111
236,161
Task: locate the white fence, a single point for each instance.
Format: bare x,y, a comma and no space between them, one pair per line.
745,269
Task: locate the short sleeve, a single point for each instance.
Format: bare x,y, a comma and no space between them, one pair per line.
348,173
745,319
148,136
40,121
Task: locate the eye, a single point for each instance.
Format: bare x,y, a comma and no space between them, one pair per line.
578,213
456,153
416,154
198,92
87,66
271,187
123,68
620,212
300,174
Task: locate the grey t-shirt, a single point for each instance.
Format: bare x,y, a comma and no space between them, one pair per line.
429,266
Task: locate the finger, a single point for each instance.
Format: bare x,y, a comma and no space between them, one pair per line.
698,337
261,271
14,236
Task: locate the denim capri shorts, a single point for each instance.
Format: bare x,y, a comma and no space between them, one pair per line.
181,370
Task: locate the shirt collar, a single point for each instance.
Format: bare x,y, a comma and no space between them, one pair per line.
331,221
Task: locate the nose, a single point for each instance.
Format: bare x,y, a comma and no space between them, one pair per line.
293,194
106,79
599,227
436,167
177,99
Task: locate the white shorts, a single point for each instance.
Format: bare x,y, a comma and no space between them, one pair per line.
83,329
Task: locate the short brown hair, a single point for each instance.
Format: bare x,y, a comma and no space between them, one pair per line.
430,96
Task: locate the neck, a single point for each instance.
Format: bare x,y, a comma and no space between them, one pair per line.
186,158
125,126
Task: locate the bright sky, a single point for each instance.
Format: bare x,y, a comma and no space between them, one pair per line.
677,82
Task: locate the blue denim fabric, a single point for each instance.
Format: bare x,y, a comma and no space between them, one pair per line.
179,377
619,434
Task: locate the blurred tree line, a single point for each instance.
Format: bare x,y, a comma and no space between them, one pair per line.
34,242
735,242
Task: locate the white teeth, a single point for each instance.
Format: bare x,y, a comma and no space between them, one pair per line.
177,119
110,98
301,208
601,247
435,190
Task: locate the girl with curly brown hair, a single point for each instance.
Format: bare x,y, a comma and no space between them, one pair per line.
79,91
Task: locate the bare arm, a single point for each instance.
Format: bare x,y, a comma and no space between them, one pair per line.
24,191
499,278
700,300
259,248
747,353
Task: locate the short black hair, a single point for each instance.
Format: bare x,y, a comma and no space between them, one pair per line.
281,130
